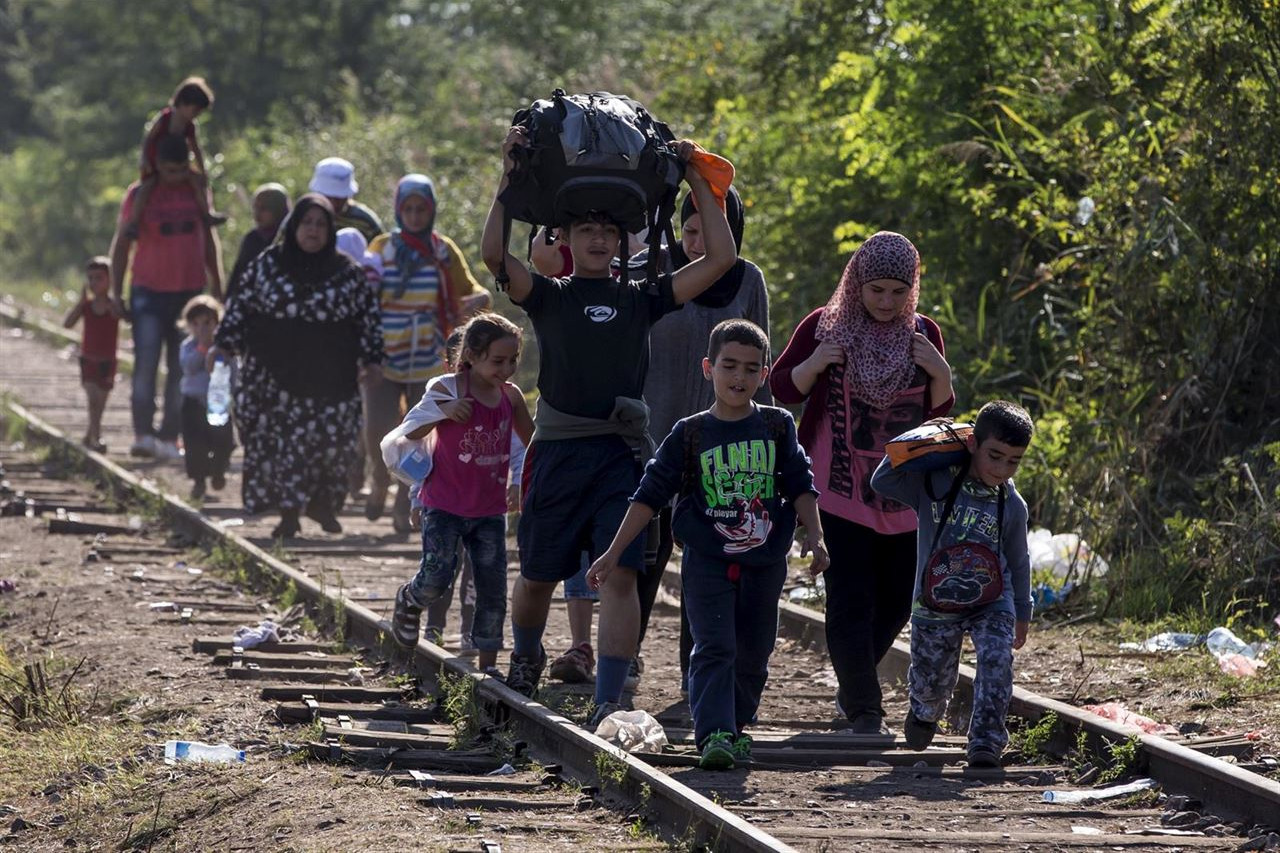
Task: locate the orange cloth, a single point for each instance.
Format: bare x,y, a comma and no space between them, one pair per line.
717,171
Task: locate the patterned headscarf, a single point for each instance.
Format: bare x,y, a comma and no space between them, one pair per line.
878,363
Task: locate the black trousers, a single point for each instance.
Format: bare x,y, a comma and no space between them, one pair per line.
869,586
208,448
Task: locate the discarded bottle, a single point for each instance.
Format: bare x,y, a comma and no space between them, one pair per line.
1169,641
1222,642
190,750
218,408
1098,793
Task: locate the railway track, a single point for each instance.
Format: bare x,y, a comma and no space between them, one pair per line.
811,786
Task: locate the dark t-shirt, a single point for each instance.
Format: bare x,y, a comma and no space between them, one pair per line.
593,337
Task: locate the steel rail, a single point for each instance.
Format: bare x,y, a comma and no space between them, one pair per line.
679,812
1223,788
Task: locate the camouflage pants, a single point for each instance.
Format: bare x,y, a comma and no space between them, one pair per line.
935,661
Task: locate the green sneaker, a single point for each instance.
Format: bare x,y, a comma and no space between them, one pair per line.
717,752
742,749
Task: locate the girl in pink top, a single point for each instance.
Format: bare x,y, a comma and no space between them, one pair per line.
466,497
868,367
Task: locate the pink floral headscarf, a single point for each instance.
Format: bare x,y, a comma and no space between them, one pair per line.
878,363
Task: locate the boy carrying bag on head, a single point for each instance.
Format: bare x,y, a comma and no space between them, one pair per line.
591,434
973,574
741,477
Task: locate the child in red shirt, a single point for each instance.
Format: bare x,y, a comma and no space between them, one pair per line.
192,97
97,345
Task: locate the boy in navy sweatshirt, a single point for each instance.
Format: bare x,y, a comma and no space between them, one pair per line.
741,478
973,574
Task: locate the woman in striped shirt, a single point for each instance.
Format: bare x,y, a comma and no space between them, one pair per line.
427,289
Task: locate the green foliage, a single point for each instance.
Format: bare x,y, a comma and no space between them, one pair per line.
610,768
458,700
1124,759
1035,742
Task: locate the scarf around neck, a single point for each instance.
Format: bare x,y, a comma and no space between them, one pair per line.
417,249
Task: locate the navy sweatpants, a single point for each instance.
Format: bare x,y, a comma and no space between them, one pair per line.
733,615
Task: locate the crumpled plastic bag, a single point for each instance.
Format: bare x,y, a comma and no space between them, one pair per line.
1240,665
1118,713
1169,641
634,731
1060,552
247,638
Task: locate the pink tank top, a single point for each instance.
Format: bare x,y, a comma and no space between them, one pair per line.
470,461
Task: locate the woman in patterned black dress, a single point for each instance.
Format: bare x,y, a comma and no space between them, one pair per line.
306,325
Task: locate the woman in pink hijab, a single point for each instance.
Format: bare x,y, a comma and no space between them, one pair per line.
868,368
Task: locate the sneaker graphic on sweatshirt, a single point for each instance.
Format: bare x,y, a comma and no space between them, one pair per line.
751,530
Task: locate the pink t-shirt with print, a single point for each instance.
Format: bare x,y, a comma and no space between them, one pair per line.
470,461
169,255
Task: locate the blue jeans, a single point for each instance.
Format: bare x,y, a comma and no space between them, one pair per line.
155,325
486,542
734,622
576,586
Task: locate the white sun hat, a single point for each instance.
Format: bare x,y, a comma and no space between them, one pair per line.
335,178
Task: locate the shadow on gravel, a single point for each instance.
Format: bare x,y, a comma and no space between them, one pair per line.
919,786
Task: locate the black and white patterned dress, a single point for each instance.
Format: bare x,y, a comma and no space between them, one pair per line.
297,444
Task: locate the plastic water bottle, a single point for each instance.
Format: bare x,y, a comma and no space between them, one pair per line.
190,750
218,410
415,465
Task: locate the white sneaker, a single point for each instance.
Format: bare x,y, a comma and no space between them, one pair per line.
168,451
144,447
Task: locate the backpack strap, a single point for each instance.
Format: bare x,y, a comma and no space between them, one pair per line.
952,493
692,450
775,421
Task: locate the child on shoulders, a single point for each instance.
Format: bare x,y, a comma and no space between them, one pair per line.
741,479
973,574
207,446
101,315
192,97
465,497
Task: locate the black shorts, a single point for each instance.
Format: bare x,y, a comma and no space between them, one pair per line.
576,493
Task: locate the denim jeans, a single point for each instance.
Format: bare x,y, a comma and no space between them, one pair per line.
486,542
576,586
155,325
734,621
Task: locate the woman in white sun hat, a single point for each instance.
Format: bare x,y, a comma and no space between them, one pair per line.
335,179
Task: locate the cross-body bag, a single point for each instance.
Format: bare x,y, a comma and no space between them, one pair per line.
963,576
